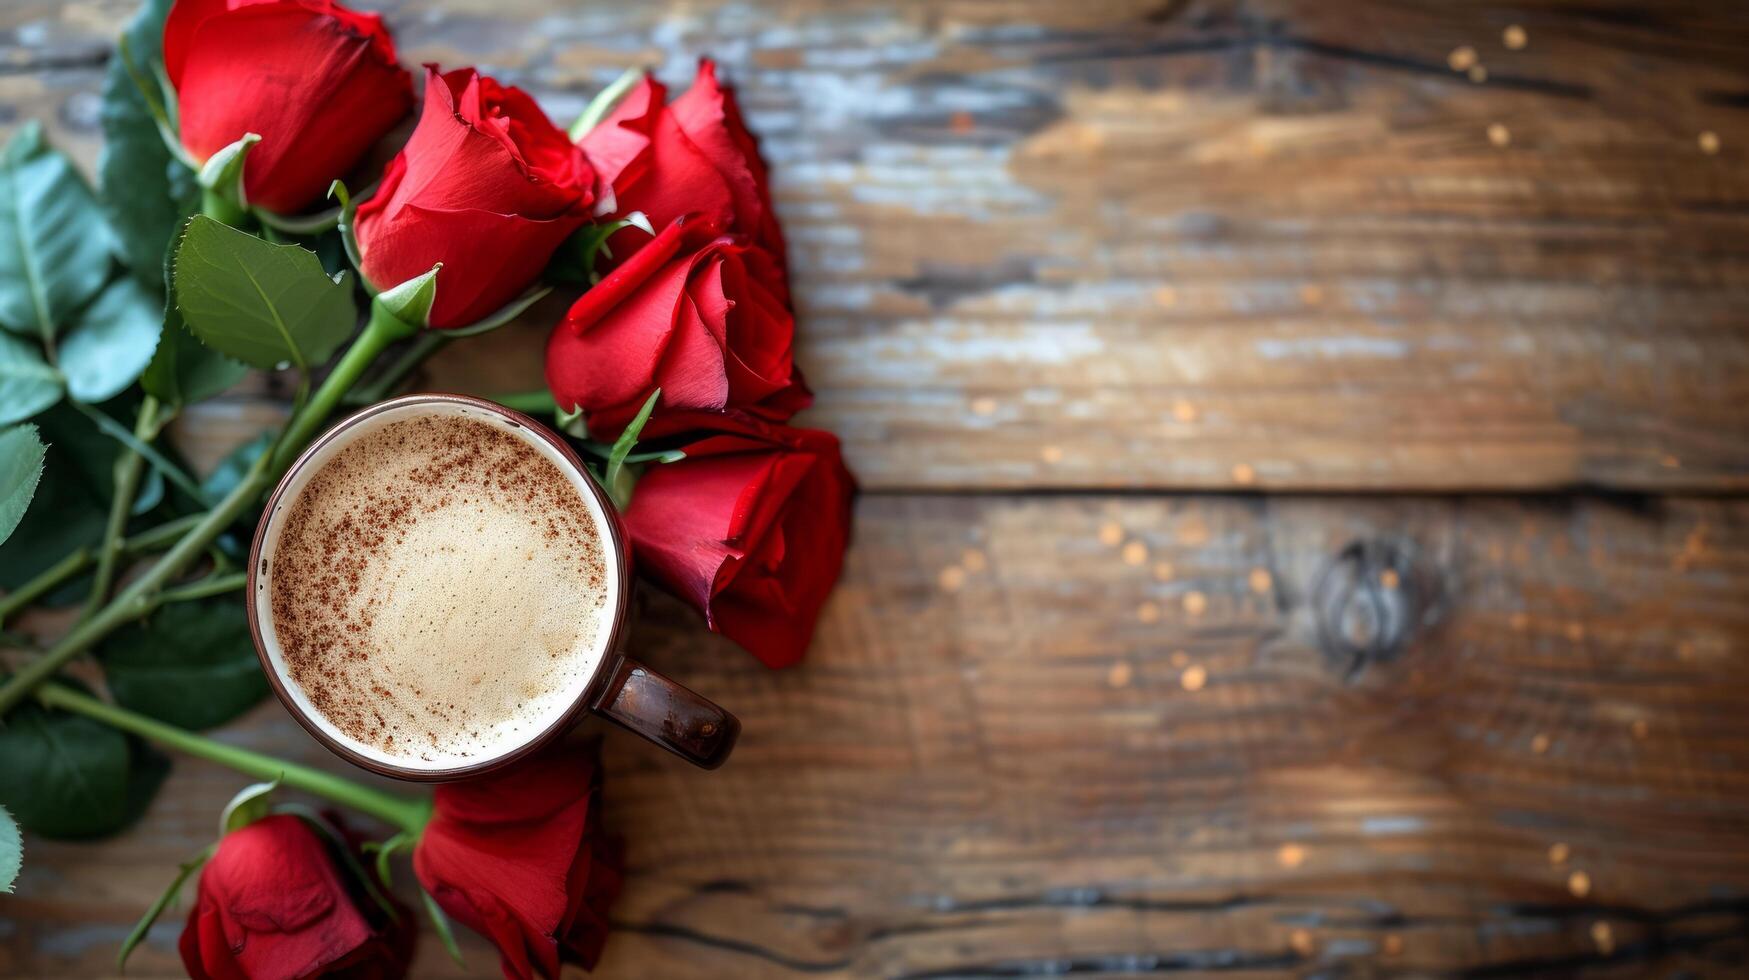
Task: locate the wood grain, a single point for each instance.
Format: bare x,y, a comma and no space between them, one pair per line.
1254,243
1022,746
1053,259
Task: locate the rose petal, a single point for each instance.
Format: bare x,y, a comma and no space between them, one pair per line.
614,358
619,146
271,904
760,331
675,180
722,343
750,528
513,855
317,92
707,115
486,185
486,257
692,374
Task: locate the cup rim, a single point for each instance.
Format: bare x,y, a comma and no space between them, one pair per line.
587,694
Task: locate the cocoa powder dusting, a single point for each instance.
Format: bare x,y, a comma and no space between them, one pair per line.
392,575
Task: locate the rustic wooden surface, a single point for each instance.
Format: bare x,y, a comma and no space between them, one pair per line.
1017,745
1188,245
1058,263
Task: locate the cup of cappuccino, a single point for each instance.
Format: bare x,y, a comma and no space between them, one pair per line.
438,587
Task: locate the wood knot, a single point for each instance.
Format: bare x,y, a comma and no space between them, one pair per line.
1370,601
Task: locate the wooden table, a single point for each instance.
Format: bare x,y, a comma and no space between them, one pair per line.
1303,527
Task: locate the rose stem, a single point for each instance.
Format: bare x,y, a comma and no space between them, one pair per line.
404,812
137,598
381,330
128,466
80,559
536,403
379,388
203,588
45,582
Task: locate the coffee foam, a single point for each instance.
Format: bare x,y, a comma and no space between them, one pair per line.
439,591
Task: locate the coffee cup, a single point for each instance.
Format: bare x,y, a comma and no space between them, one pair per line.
412,589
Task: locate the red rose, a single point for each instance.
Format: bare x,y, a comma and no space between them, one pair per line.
317,81
704,327
750,528
487,185
272,905
691,155
519,856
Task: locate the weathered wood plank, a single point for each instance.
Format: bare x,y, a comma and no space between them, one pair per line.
1204,244
1104,733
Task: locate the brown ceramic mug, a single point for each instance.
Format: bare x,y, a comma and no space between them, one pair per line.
619,688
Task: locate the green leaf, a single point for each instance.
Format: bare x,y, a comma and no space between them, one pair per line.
385,851
236,464
71,777
260,303
73,499
251,803
160,462
145,775
225,477
191,664
77,446
603,450
27,383
151,492
330,251
138,935
54,245
440,925
11,851
69,510
21,468
146,190
112,342
575,260
184,370
26,145
619,480
602,105
657,456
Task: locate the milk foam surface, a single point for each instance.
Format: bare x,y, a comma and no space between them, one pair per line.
439,591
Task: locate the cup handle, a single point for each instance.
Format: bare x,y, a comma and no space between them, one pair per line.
643,701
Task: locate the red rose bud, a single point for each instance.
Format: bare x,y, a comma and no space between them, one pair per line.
273,905
317,81
519,856
486,185
750,528
694,154
704,327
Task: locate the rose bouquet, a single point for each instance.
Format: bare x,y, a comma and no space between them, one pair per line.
277,191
